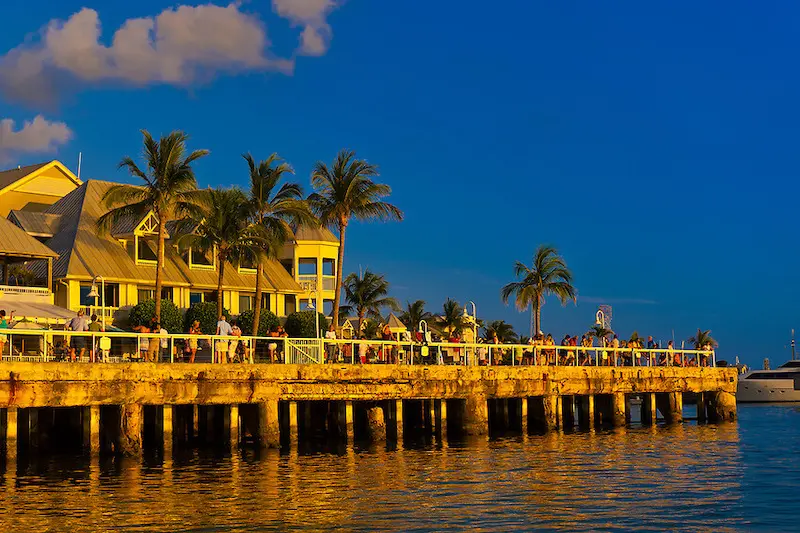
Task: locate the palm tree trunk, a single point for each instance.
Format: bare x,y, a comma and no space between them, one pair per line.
537,317
159,265
221,261
257,306
338,292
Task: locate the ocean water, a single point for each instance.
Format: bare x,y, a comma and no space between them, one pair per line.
743,476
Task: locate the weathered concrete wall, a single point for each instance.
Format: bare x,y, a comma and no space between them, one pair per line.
66,384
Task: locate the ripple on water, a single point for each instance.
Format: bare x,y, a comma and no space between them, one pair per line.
733,477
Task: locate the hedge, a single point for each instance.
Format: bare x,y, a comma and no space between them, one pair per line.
144,312
206,313
266,322
301,324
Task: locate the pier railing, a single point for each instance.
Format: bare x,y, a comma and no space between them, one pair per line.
113,347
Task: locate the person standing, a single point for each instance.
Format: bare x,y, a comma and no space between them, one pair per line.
330,335
4,324
191,342
95,326
78,344
223,329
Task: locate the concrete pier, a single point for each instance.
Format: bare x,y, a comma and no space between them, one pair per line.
265,405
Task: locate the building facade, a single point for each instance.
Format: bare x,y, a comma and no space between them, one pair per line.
123,262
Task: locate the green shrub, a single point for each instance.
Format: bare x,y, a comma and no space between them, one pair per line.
301,324
266,322
206,313
171,317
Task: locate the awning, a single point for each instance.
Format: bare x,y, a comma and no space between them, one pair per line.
41,313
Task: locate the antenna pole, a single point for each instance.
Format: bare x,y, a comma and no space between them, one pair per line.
793,344
80,159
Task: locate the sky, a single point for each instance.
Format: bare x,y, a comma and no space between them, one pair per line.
653,143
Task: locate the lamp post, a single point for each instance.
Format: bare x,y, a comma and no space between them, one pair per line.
93,294
474,320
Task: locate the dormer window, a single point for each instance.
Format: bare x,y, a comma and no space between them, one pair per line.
145,251
248,265
200,260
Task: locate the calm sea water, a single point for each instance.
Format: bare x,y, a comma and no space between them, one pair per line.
733,477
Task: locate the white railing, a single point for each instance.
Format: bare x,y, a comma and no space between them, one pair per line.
303,351
54,345
25,294
308,282
328,283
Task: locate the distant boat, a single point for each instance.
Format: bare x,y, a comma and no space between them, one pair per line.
770,386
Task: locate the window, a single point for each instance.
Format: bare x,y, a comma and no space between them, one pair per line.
305,305
142,295
144,251
210,296
291,304
246,302
248,264
327,307
201,259
329,267
112,295
265,302
307,266
149,293
195,297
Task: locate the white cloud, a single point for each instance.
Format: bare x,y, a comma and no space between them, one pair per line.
312,15
36,136
179,46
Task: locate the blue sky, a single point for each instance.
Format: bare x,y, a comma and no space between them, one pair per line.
653,144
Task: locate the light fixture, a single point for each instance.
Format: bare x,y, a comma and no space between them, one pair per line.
93,292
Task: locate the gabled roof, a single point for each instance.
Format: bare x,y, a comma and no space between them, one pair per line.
83,253
9,177
14,242
36,223
312,233
394,323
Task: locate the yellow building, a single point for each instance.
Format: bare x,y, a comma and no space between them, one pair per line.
311,259
35,187
64,217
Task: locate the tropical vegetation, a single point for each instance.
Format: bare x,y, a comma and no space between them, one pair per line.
367,294
547,275
600,332
302,325
414,314
267,322
452,320
223,228
504,331
343,192
274,206
143,313
701,339
205,313
169,191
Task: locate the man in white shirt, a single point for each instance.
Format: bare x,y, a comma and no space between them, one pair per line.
330,335
223,329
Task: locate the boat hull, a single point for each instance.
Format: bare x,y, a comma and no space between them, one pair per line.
767,391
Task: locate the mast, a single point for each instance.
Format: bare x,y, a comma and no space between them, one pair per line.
792,344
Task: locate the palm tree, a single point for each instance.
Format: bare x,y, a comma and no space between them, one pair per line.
275,207
504,331
548,275
225,230
599,332
701,339
414,314
366,295
169,192
343,192
452,319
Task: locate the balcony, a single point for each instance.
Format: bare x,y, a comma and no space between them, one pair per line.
308,282
25,294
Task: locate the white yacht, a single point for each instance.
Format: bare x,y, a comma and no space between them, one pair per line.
778,385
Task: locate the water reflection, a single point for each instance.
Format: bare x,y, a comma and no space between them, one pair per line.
667,478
